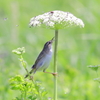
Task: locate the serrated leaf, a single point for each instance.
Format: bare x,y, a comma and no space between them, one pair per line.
94,67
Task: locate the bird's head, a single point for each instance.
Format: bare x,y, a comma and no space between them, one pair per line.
48,44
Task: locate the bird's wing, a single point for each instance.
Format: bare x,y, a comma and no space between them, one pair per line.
40,56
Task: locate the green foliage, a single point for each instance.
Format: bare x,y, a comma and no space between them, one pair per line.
19,51
29,90
77,47
97,80
94,67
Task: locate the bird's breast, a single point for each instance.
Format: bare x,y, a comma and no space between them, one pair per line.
47,58
49,55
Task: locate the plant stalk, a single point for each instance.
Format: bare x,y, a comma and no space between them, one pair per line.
55,64
23,64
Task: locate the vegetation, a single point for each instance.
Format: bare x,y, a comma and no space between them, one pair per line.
77,48
29,88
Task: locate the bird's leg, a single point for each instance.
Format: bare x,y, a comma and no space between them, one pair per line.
31,78
54,74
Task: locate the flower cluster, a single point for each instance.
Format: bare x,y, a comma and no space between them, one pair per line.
19,51
56,20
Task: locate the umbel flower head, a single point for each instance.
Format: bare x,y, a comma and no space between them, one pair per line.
56,20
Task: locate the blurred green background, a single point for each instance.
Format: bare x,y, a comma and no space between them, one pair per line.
78,47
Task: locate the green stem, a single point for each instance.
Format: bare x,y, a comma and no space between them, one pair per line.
55,64
23,64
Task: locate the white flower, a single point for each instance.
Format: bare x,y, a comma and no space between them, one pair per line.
56,20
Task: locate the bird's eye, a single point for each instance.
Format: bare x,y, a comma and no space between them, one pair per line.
49,42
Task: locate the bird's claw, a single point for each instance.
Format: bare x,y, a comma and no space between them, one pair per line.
54,74
31,78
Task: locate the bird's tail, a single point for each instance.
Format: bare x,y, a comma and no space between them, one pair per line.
29,73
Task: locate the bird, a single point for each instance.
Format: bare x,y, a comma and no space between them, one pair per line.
43,60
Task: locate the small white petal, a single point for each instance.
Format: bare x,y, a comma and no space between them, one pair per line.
56,20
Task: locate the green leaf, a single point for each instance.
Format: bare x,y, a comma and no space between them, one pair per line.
32,98
19,78
44,93
97,79
94,67
15,87
32,90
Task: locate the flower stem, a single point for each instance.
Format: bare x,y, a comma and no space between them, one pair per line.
55,64
23,64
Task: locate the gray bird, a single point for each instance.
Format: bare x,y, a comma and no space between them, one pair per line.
43,60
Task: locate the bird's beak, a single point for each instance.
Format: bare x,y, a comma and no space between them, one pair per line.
52,39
